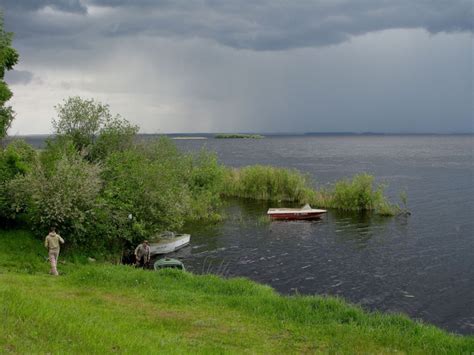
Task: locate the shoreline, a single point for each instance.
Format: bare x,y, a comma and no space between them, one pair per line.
133,306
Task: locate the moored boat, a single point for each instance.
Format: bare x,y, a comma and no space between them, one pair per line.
304,213
168,263
169,242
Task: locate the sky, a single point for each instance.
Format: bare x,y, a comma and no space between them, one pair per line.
169,66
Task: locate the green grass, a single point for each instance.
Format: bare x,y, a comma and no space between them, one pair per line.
105,308
260,182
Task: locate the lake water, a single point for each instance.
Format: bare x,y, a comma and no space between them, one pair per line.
421,265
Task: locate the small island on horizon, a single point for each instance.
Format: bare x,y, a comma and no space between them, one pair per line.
238,135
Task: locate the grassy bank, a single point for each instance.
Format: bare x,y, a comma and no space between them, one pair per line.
106,308
278,184
238,135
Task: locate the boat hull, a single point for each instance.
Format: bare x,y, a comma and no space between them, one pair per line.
295,213
295,216
169,245
168,263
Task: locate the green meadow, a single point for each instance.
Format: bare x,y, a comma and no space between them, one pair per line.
102,308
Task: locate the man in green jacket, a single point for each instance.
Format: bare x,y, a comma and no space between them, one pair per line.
52,242
142,254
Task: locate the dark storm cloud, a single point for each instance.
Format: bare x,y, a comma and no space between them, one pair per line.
74,6
172,65
19,77
256,25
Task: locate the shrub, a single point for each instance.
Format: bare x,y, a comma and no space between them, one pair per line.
63,194
17,159
146,182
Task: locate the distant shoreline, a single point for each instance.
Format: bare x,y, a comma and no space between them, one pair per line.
238,136
38,141
207,135
188,137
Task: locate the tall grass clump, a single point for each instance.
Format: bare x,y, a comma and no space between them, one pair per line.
205,181
261,182
358,194
278,184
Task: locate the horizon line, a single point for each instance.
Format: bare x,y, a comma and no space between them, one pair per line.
308,133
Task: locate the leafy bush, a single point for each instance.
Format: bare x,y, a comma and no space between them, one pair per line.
17,159
146,182
63,194
56,149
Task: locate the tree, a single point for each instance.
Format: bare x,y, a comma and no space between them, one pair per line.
8,58
92,128
17,159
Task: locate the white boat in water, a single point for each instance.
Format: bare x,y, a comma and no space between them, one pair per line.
306,212
168,242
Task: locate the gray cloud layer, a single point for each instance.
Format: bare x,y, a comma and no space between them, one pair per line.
256,25
266,65
18,77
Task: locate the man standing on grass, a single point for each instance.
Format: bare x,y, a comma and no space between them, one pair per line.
142,254
52,242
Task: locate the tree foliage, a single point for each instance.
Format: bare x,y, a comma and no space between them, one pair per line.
17,159
8,58
63,194
147,183
92,128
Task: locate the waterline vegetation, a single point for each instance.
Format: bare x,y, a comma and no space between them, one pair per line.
289,185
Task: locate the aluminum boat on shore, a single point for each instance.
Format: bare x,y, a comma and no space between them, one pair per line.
168,242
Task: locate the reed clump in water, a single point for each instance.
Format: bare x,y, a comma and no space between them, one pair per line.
358,194
278,184
268,183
